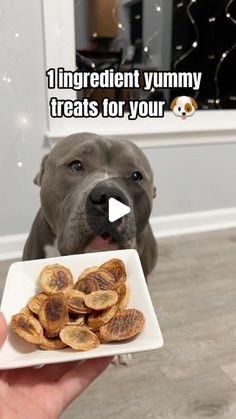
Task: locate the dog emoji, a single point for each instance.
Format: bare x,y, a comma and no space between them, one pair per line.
184,106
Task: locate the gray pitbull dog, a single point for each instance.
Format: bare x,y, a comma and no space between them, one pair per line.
68,178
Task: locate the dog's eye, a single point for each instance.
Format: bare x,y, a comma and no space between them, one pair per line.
76,166
179,109
136,177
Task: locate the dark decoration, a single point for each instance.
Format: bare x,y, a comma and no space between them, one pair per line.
204,40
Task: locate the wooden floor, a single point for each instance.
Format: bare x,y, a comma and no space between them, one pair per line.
194,375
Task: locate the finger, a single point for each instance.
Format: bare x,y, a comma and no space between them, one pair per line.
3,329
77,379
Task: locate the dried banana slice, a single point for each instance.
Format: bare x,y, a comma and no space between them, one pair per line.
51,335
88,271
96,320
35,302
79,338
75,302
27,327
53,315
124,294
86,285
100,337
101,300
27,311
52,344
78,319
124,325
105,279
56,278
117,268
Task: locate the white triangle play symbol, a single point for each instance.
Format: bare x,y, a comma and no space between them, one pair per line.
116,210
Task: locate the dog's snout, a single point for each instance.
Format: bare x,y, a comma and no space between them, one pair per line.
99,198
183,113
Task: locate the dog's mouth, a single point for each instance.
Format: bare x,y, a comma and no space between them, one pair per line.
184,117
111,238
103,242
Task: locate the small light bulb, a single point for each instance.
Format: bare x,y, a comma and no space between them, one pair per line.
180,4
228,15
146,49
212,19
19,164
24,120
224,55
158,8
17,35
137,17
193,1
152,90
179,47
94,35
8,80
93,65
120,25
217,101
195,44
4,78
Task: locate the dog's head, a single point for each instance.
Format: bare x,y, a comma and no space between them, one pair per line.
78,177
184,106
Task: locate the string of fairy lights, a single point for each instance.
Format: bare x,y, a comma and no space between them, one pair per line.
115,16
223,58
147,47
195,44
227,11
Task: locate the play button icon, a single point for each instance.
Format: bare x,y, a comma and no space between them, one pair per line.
116,210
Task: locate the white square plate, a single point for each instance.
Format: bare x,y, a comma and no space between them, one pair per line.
22,283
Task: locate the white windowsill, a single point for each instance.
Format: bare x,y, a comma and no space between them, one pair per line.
208,127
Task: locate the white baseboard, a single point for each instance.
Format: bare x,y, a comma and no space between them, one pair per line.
195,222
11,247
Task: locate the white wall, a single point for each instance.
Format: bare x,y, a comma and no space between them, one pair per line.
189,178
22,61
194,178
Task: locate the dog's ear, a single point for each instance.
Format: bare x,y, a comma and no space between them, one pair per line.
39,176
173,103
194,103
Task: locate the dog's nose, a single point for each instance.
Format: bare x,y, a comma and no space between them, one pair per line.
99,198
183,113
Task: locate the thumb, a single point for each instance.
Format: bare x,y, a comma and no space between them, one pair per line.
3,329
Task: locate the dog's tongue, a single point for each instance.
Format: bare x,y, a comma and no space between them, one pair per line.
184,117
99,244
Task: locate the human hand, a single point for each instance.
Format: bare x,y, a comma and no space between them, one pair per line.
44,393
